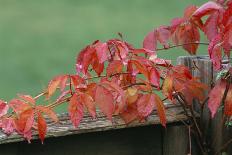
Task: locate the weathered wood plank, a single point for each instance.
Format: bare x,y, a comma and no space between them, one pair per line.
202,67
175,140
64,127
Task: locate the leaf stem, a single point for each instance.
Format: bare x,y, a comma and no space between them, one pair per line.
174,46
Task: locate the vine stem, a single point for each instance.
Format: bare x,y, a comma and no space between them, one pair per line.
179,45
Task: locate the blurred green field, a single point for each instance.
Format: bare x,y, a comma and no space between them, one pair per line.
41,38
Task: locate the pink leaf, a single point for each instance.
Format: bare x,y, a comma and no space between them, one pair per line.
101,49
150,41
104,100
215,96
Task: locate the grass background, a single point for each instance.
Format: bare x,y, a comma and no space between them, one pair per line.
41,38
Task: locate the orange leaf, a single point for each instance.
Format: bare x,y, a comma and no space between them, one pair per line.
49,112
168,87
24,123
160,109
42,127
141,68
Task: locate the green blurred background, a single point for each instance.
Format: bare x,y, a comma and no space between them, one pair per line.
41,38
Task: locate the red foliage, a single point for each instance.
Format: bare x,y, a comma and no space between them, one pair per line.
128,79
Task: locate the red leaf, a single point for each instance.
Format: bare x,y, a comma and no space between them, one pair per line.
145,105
84,59
76,110
97,66
24,123
77,81
211,26
160,109
215,96
155,77
150,41
227,16
130,114
215,52
104,99
187,35
27,98
140,67
49,112
189,11
163,34
3,108
101,49
88,101
207,8
114,67
227,39
42,127
119,95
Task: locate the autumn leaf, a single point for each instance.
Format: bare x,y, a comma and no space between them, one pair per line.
114,67
145,105
211,26
163,34
167,88
150,41
141,67
3,108
130,114
55,83
154,77
206,9
101,49
104,100
76,110
88,101
7,125
215,96
215,52
187,34
77,81
131,95
18,106
49,112
24,123
27,98
160,109
42,126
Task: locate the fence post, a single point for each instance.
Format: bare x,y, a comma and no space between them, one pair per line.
201,67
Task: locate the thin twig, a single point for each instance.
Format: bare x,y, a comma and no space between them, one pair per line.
174,46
